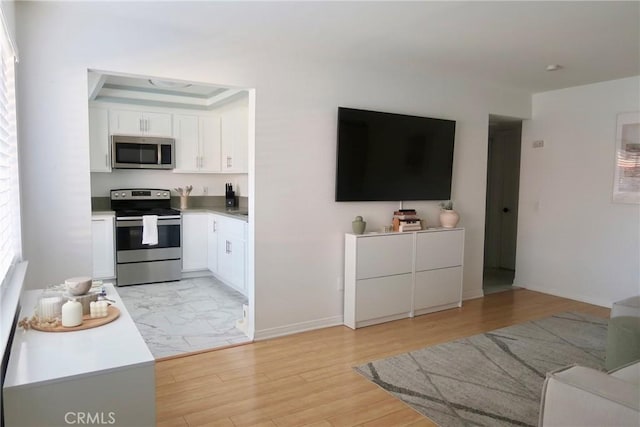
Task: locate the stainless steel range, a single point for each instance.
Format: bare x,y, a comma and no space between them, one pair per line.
146,212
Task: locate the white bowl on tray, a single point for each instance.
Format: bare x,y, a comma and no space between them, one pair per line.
78,285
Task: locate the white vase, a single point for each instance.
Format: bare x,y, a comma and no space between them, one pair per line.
449,218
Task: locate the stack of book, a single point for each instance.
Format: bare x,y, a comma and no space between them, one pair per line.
406,220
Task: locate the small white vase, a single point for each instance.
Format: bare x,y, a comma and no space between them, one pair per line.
449,218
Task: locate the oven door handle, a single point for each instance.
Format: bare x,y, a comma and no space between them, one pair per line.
137,222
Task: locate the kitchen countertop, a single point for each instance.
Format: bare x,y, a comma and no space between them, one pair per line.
96,213
237,213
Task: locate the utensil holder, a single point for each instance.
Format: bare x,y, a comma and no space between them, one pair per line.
184,202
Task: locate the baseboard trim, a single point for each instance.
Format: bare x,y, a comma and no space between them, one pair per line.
196,273
473,294
561,293
297,328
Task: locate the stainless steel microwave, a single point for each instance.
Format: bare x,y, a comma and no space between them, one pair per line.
142,152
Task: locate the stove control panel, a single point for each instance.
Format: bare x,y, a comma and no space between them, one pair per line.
140,194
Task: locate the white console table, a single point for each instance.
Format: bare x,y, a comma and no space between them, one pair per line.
390,276
105,375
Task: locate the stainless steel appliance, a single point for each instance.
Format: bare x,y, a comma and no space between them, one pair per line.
142,152
138,263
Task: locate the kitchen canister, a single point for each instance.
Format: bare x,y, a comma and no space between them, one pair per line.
71,314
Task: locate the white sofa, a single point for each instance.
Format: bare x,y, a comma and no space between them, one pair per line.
579,396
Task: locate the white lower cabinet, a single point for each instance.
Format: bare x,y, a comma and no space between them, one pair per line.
230,243
216,243
437,290
102,234
396,275
383,297
212,243
194,241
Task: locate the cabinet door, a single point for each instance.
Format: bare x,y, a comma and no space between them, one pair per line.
100,158
209,144
212,242
439,287
231,260
157,124
383,297
126,122
439,249
194,241
384,255
103,247
234,139
187,137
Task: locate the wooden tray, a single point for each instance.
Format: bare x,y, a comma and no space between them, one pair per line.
87,322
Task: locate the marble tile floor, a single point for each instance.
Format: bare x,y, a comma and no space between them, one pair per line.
186,316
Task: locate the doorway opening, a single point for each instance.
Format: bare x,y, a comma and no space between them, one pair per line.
501,219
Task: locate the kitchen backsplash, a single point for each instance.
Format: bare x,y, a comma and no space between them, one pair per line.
195,202
203,184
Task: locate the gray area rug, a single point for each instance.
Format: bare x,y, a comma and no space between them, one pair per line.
491,379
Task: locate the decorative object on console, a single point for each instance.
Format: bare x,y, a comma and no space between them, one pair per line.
358,225
406,220
50,305
230,196
184,195
448,217
78,285
71,314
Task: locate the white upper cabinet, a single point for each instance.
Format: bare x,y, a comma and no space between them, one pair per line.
185,130
206,142
209,127
235,138
197,143
100,159
135,122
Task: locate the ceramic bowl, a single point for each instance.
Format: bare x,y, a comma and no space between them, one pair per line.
78,285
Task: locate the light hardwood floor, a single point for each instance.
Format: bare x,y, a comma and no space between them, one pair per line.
307,379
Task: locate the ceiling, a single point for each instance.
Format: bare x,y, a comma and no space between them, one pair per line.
507,42
106,87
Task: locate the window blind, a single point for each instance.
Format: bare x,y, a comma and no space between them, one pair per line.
10,238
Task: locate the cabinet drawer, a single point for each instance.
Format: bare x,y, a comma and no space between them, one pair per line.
437,287
383,297
439,249
230,226
384,255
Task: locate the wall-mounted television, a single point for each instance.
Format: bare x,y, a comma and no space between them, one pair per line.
393,157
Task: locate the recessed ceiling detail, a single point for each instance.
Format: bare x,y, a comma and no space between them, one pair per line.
141,90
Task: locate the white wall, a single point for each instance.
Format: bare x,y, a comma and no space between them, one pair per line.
573,241
298,226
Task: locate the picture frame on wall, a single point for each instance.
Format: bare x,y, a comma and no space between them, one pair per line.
626,183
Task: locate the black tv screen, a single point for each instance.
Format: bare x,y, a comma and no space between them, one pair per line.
393,157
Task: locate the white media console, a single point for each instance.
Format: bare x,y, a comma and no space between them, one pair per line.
390,276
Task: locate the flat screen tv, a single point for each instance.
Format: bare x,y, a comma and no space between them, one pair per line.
393,157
